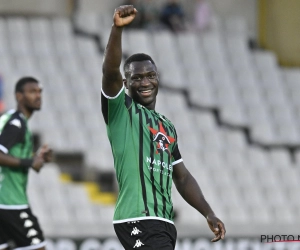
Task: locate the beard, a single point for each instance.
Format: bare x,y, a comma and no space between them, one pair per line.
31,108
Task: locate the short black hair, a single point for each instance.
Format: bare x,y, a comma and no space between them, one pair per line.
136,58
23,81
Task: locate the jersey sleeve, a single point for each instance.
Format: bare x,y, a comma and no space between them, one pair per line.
176,156
12,133
113,108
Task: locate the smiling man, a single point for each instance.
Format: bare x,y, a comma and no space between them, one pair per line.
145,150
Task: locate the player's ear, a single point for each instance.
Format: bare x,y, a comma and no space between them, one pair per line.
19,96
125,83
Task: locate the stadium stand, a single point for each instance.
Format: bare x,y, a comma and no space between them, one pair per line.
236,113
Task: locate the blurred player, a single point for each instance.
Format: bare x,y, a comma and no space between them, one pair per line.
17,223
145,150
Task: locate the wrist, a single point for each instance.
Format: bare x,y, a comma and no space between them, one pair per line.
117,27
210,214
26,163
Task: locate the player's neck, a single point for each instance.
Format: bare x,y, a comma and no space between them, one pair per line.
151,106
26,112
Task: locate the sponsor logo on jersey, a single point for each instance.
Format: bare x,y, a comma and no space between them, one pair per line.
159,163
162,139
16,123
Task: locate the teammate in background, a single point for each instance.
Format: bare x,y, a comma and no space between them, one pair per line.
145,150
17,223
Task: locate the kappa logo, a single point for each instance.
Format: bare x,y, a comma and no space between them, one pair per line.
28,223
24,215
138,243
35,241
32,232
162,139
135,231
16,123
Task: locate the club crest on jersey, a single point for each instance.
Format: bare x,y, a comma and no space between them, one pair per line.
162,139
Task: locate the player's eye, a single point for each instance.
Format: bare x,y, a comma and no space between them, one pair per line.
136,78
152,76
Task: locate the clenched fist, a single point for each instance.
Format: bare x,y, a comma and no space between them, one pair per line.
124,15
45,153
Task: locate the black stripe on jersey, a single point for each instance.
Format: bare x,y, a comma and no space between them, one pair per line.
162,183
169,162
128,101
128,104
149,120
171,213
161,176
169,183
176,153
141,134
104,107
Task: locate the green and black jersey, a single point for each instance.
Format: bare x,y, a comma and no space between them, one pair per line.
15,140
145,150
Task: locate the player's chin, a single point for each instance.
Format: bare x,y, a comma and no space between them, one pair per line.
36,108
145,101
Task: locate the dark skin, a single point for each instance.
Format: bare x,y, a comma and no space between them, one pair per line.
142,83
29,101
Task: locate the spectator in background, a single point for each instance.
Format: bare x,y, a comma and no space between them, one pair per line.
150,15
203,15
173,16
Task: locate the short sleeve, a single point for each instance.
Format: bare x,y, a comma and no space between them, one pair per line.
176,156
114,109
111,106
12,134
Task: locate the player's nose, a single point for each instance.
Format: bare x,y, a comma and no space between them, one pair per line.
145,81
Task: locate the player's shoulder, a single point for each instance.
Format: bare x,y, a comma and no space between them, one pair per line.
120,94
14,118
166,119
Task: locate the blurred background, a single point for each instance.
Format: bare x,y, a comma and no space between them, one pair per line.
230,82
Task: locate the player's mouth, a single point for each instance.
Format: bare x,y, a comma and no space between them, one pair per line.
145,92
38,102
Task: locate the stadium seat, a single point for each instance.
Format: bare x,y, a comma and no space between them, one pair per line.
244,182
236,25
89,22
138,42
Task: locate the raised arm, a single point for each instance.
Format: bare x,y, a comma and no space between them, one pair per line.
189,189
112,77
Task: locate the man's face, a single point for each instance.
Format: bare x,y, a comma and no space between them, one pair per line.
31,97
142,83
